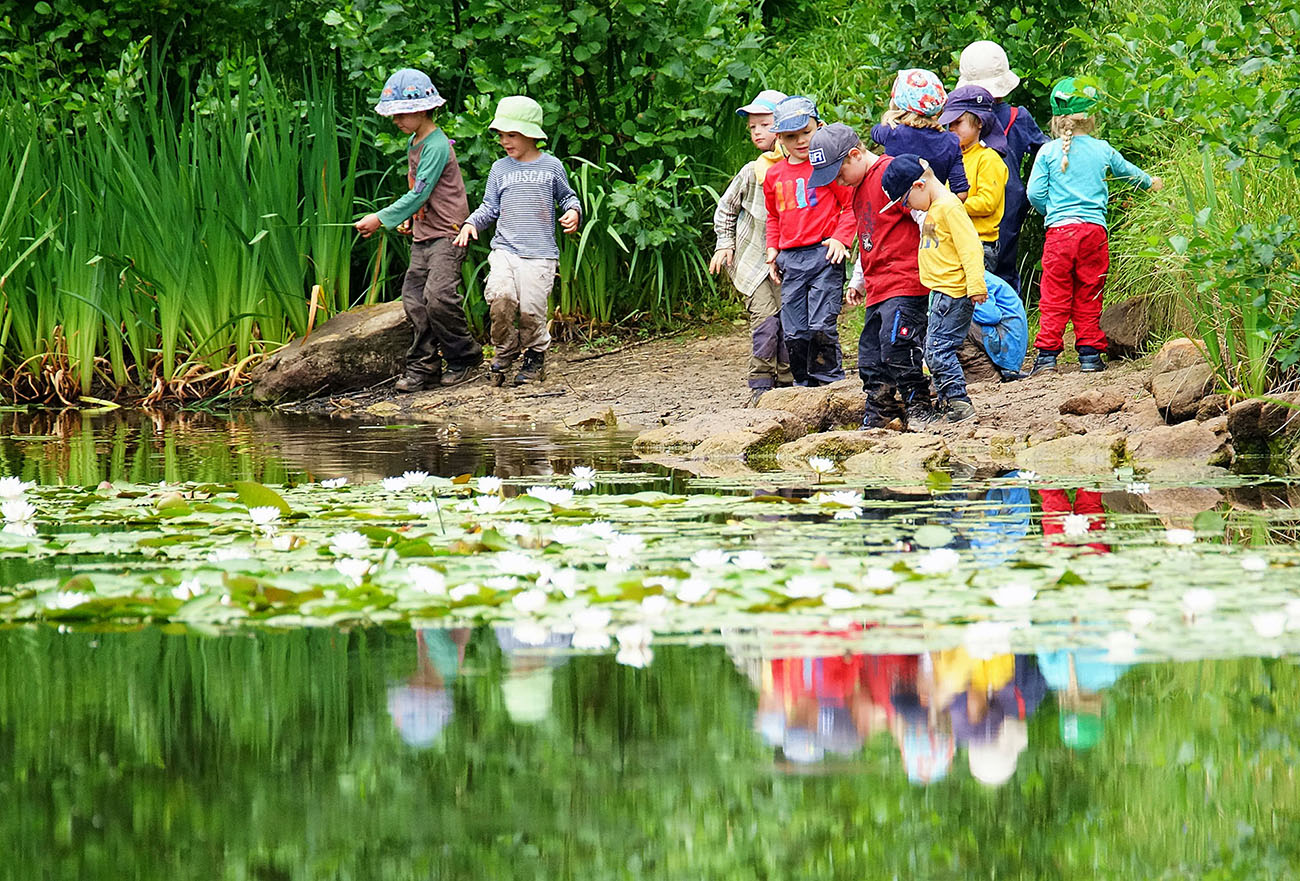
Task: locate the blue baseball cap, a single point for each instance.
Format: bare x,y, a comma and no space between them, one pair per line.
764,102
830,145
793,114
899,175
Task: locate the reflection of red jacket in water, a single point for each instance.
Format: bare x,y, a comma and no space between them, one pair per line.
887,675
1087,502
829,680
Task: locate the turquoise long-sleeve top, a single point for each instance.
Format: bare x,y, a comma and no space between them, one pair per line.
1080,192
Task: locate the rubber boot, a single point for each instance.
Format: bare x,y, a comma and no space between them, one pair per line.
533,369
798,360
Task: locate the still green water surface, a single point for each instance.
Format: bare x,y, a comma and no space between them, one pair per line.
756,741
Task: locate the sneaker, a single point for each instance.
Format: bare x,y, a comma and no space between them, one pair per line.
756,395
960,411
1043,363
533,369
921,414
497,370
457,375
871,421
1090,363
1011,375
414,383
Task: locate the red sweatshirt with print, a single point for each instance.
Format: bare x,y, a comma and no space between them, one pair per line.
799,215
889,266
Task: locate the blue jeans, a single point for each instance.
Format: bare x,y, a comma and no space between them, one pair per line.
812,291
949,323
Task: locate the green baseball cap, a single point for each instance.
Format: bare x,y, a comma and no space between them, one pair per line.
519,113
1080,730
1074,94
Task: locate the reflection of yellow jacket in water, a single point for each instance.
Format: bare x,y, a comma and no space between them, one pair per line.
955,670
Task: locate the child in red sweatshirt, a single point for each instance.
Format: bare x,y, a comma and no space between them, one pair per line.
809,232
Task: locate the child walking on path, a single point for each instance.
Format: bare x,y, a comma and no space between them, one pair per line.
885,280
911,125
951,265
741,225
523,189
969,115
1068,187
435,205
984,63
809,231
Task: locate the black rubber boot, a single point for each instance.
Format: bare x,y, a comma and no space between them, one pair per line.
533,369
497,370
798,360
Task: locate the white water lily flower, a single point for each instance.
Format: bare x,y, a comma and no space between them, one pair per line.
839,598
187,590
692,590
1179,536
501,582
530,632
489,485
1198,601
230,552
349,544
1293,614
463,592
415,478
710,558
618,565
589,629
264,515
423,509
352,569
568,535
427,580
70,599
602,529
530,601
846,497
583,477
514,563
1075,525
877,578
334,482
17,510
804,586
552,495
847,513
1028,475
623,547
23,529
1138,489
654,606
13,487
1269,625
984,639
821,465
395,484
754,560
1139,619
634,646
488,504
283,542
1014,595
565,581
937,561
1254,563
513,529
1121,647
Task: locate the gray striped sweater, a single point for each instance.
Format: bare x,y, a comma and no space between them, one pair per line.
521,198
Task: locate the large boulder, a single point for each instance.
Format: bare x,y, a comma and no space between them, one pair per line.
1267,431
1170,447
355,349
1177,354
908,455
1178,393
1093,402
838,405
1076,454
776,426
834,445
1127,325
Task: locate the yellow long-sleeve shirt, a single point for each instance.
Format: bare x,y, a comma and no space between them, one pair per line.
987,201
951,258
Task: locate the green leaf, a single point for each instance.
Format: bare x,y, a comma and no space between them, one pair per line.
255,495
1208,521
932,535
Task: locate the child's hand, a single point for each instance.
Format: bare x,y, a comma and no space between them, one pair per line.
835,250
772,272
854,296
568,221
405,227
463,237
722,257
979,298
1157,184
368,225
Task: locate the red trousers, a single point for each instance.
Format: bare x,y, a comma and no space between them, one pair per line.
1076,258
1056,505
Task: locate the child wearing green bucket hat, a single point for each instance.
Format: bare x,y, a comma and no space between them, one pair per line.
1068,187
433,208
523,189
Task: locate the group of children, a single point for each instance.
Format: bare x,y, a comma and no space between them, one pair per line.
936,220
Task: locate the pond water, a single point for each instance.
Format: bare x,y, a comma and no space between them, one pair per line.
242,673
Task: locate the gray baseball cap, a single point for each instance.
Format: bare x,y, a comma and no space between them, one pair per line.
830,145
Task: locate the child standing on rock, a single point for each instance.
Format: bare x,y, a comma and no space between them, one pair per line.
523,189
741,226
435,205
1068,187
809,232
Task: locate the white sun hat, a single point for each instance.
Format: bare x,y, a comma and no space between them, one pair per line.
984,63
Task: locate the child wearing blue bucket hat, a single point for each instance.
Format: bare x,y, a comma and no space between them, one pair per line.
435,206
969,115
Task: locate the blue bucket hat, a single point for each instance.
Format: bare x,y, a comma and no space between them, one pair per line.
978,102
408,91
793,114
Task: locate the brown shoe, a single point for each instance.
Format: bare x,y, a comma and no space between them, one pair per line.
412,383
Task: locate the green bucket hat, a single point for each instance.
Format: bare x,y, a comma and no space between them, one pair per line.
519,113
1080,730
1074,94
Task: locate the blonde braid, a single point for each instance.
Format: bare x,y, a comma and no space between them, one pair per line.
1066,127
1066,137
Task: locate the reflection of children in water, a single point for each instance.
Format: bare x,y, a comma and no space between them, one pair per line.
991,717
422,706
809,707
528,683
1079,679
1058,506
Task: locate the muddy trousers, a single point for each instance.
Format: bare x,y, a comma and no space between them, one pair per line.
812,291
769,360
517,292
890,354
433,305
1076,258
947,326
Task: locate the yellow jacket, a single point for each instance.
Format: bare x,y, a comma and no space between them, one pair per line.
951,259
986,202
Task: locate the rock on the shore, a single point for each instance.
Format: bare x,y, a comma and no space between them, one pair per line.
1078,454
909,455
1127,325
838,405
834,445
1174,449
774,427
1180,378
1093,402
352,350
1268,429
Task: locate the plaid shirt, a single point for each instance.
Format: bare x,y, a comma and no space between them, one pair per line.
740,222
